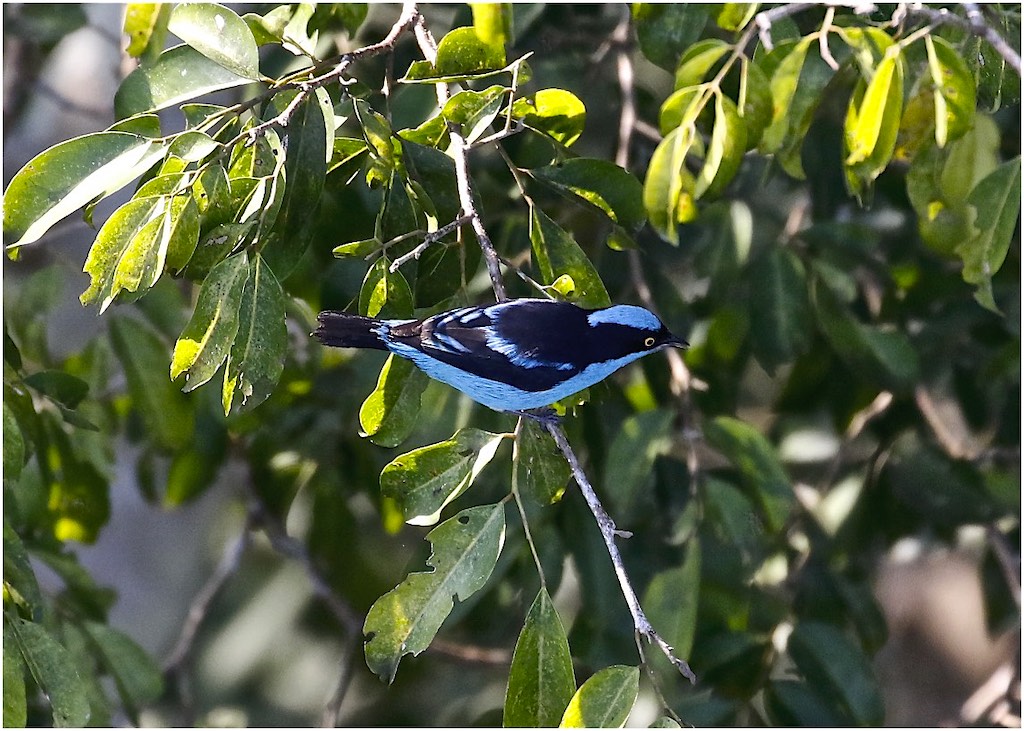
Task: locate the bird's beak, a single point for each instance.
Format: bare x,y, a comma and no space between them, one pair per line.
677,342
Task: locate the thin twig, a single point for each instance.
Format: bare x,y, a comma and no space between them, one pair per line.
609,532
348,656
974,23
431,238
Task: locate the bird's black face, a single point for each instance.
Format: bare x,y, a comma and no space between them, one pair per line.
616,341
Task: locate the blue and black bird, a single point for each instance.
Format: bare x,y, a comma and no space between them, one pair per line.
513,356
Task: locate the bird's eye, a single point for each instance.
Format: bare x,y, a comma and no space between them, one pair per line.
648,342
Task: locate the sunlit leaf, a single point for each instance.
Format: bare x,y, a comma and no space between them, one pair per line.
384,293
145,24
389,413
669,186
474,111
605,700
424,481
406,619
204,343
602,184
179,74
219,34
556,112
62,179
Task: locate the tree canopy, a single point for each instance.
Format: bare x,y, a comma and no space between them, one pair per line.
823,200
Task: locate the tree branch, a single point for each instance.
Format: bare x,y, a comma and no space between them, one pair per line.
975,24
609,532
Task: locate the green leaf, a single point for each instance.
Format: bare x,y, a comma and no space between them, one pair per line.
435,171
557,254
405,620
784,84
384,293
725,150
758,463
630,457
669,186
996,203
139,681
830,661
601,183
218,34
124,256
204,343
540,471
258,352
424,481
59,386
145,24
62,179
166,413
795,703
952,90
389,413
671,601
735,16
492,22
555,112
605,700
179,74
15,705
475,110
664,31
19,577
698,61
461,55
780,314
52,669
541,681
864,124
305,171
14,446
885,357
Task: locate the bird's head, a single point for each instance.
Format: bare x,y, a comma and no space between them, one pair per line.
623,330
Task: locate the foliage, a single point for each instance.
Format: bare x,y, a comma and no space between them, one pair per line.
763,475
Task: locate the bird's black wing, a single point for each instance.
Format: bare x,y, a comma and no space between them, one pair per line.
524,349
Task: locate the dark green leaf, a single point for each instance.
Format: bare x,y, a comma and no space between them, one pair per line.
558,254
62,179
782,324
601,183
19,577
139,681
605,700
795,703
541,472
828,660
305,171
179,74
758,463
630,457
389,413
435,171
885,357
14,446
671,601
996,202
257,355
541,680
405,620
204,343
166,413
665,31
50,666
424,481
59,386
15,706
218,34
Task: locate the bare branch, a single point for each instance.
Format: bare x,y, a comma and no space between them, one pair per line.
431,238
609,532
975,23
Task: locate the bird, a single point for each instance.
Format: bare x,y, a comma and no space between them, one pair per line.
518,355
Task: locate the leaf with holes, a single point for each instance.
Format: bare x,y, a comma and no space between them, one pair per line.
405,620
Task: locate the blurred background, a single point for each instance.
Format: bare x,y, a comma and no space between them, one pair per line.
268,652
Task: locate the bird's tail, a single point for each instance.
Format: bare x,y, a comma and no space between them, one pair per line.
345,330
